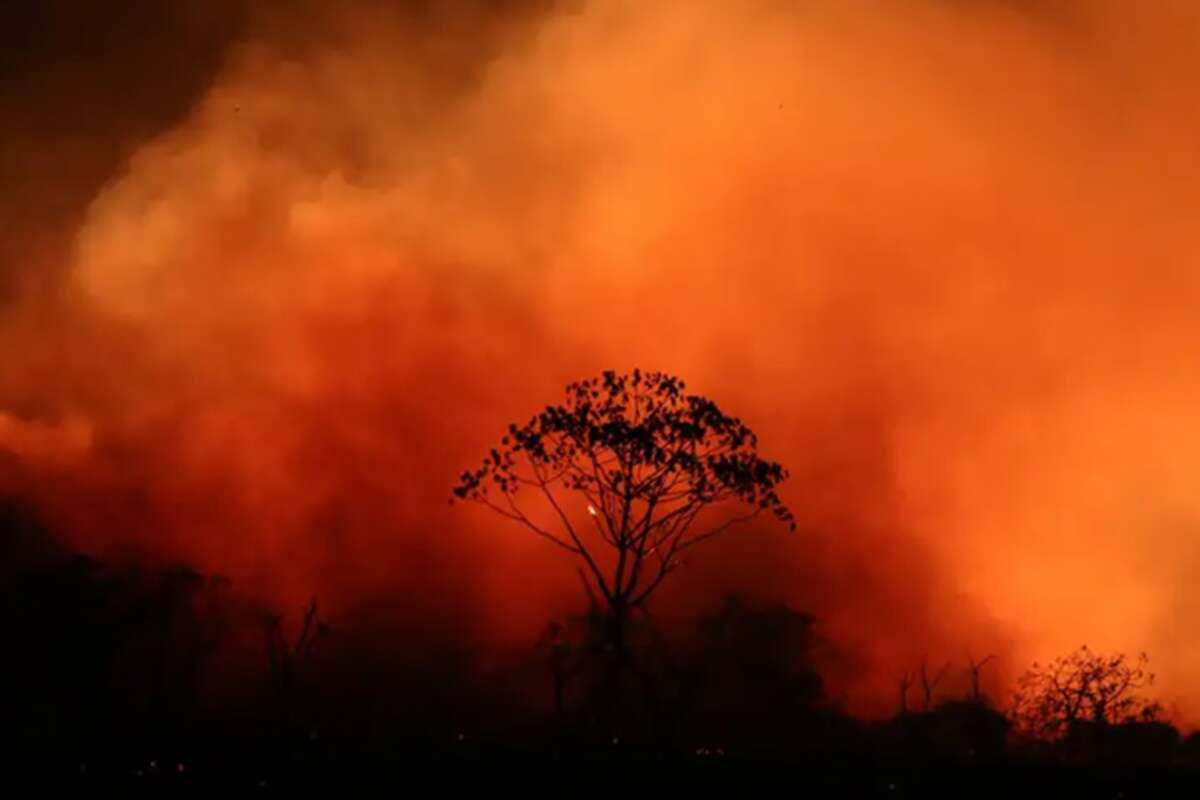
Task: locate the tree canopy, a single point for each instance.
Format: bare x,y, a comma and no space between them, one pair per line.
1083,687
629,472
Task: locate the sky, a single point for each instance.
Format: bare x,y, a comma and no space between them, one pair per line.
272,274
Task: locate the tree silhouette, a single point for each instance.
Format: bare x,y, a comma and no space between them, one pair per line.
755,682
570,646
288,657
929,683
628,474
975,668
1082,688
904,682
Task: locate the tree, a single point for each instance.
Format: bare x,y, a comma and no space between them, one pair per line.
975,668
904,682
628,474
1081,688
754,683
929,683
289,657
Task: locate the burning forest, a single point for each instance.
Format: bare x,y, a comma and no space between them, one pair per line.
877,322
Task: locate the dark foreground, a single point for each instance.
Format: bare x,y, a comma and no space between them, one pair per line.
583,772
118,678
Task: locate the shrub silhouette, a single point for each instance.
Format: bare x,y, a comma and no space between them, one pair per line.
756,688
1076,694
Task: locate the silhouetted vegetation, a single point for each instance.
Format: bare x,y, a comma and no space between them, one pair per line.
1087,707
128,674
653,470
1083,688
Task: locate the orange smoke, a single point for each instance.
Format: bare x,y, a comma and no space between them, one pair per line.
939,255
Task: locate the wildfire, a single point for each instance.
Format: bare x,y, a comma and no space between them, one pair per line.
916,245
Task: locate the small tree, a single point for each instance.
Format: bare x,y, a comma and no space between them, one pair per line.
904,682
288,657
1081,688
628,474
975,668
752,682
929,683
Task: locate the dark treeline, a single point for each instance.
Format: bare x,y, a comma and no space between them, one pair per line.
132,674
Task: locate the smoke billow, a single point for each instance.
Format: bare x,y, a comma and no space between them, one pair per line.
938,254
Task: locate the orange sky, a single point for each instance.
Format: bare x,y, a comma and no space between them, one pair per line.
939,254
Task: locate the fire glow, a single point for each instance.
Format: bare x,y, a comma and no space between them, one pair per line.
942,257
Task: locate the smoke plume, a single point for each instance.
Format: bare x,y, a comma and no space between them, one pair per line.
285,274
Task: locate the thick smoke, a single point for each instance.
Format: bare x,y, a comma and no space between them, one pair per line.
938,254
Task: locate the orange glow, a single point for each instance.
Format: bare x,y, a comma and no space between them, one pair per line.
939,255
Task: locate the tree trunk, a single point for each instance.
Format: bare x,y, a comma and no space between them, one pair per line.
613,696
620,630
